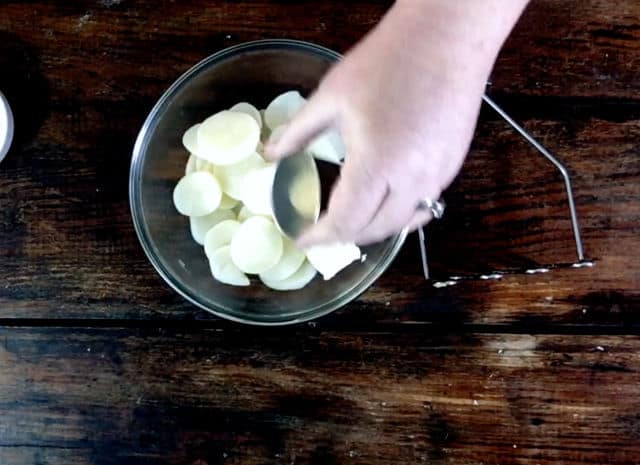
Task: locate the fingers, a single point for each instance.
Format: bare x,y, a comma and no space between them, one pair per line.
356,198
364,209
313,118
410,179
394,213
398,211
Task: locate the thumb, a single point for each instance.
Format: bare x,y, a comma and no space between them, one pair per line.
312,119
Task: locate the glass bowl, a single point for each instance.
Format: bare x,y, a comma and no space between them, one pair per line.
255,72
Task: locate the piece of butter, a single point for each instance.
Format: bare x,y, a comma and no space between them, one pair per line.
332,258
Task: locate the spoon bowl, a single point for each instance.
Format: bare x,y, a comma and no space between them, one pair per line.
296,194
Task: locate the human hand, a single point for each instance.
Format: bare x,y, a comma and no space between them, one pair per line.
406,101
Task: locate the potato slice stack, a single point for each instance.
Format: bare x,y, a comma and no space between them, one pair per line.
226,193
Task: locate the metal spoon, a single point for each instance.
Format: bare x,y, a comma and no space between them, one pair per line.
295,194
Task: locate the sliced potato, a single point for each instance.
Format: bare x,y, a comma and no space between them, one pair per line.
303,276
330,259
224,270
292,258
245,107
190,139
227,203
226,192
228,137
197,194
282,108
201,225
191,165
231,177
219,236
203,165
328,147
244,213
256,190
257,245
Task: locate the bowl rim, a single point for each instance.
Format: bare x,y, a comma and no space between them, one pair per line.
134,193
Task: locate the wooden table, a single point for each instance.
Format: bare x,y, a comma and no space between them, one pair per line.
100,363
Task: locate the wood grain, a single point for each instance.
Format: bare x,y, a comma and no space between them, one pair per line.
561,48
570,48
118,396
102,364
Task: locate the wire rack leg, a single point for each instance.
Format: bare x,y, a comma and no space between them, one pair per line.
423,252
562,169
557,163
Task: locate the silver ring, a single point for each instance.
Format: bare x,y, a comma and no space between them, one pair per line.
435,206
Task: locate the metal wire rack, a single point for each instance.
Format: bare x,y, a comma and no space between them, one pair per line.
562,169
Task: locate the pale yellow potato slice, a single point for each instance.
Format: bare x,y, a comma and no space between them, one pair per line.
190,139
227,203
197,194
191,165
328,147
332,258
244,213
224,270
201,225
220,235
282,108
289,263
245,107
303,276
228,137
231,177
256,246
203,165
256,190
